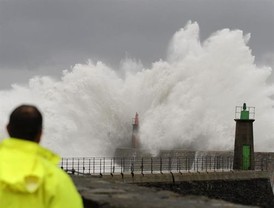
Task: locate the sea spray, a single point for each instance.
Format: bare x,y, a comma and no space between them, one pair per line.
184,101
85,113
202,85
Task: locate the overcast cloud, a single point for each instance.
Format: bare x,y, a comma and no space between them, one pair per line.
46,37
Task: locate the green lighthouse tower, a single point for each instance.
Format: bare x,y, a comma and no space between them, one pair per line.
244,143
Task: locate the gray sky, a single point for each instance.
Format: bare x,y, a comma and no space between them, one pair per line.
48,36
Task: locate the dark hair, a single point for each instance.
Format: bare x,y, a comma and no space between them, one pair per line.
25,122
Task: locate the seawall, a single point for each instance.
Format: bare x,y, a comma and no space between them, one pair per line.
245,187
99,193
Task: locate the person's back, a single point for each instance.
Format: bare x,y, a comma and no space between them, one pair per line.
29,176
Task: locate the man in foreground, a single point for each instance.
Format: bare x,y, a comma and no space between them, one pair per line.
29,176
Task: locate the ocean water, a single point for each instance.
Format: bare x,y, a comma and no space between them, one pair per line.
185,100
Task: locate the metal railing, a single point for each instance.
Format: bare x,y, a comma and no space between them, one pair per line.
144,165
239,109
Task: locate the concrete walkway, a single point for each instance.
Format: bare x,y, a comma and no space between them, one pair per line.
99,193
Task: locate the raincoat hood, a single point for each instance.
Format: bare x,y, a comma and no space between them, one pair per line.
26,158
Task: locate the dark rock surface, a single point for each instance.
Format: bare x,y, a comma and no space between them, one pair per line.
97,192
256,192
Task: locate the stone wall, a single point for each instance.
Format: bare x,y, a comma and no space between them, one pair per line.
249,192
242,187
99,193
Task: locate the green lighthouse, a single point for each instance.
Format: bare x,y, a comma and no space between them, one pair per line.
244,143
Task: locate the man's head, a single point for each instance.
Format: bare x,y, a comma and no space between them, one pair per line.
26,123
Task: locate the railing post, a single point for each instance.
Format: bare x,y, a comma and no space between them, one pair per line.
210,163
104,165
89,165
132,166
142,166
73,171
83,165
121,164
207,164
67,164
151,165
62,164
202,163
218,162
113,169
100,166
222,164
110,165
161,165
93,165
78,166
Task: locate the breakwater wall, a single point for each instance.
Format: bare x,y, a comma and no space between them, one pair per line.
182,172
255,192
251,188
100,193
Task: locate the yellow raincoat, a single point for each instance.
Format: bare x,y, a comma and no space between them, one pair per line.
30,178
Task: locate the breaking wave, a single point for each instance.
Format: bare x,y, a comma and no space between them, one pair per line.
186,100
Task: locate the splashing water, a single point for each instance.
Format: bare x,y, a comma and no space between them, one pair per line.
186,101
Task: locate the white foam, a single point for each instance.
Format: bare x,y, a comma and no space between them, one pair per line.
186,100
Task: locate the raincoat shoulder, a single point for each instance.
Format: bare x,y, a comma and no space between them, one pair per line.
29,177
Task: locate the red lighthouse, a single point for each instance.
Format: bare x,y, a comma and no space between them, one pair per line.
135,141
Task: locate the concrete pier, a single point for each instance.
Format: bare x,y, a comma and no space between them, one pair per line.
99,193
251,188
